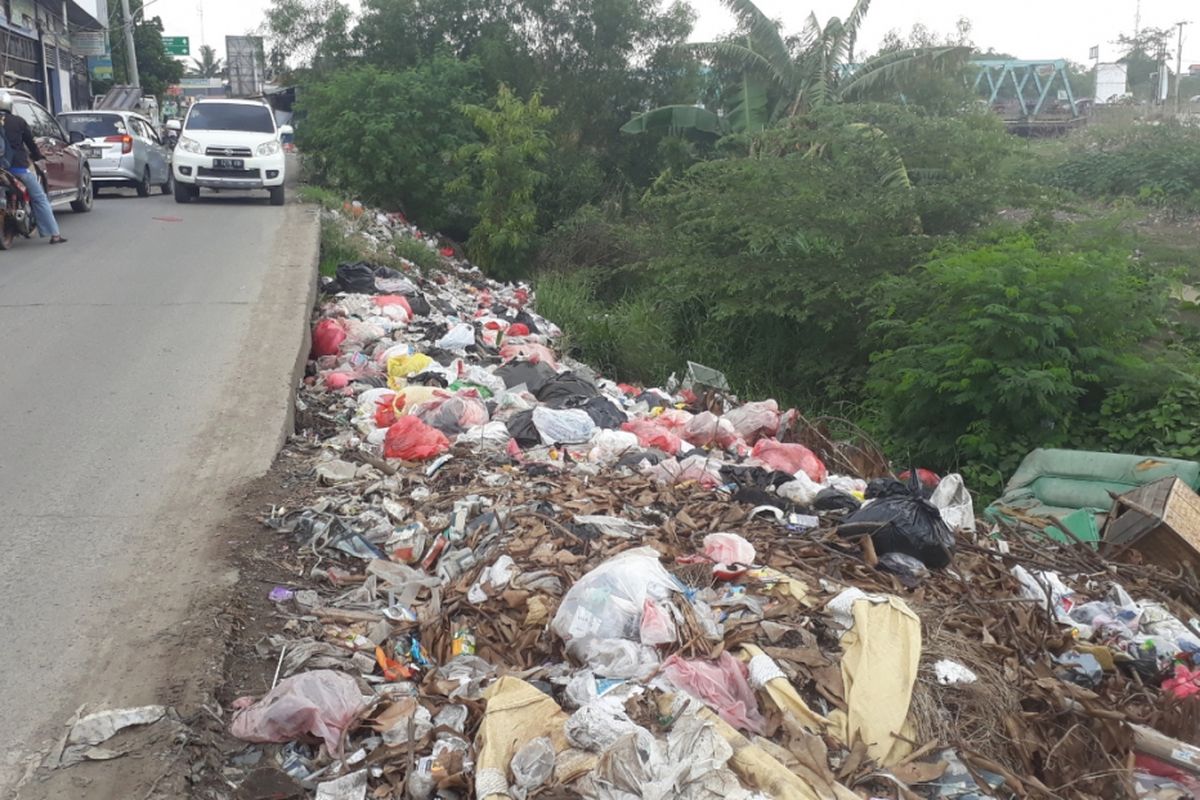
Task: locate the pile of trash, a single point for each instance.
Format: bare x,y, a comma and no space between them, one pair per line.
523,579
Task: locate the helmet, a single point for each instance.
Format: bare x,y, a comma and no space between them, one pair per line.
6,102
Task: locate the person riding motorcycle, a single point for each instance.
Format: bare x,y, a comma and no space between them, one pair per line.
23,152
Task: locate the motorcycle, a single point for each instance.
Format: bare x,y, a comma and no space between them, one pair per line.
16,212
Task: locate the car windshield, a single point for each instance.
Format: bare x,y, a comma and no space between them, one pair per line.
230,117
94,126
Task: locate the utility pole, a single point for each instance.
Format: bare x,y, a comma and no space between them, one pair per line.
1137,21
131,66
1179,65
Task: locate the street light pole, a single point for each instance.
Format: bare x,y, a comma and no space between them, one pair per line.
1179,65
130,50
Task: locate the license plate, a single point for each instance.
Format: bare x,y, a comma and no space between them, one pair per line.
91,152
229,163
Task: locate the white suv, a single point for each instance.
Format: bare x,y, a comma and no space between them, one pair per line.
229,144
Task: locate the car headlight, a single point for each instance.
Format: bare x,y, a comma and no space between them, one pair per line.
268,148
189,145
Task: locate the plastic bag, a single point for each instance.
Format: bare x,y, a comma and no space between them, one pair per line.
651,434
604,413
907,524
790,458
608,602
699,468
452,415
412,440
755,420
327,337
954,502
321,702
532,375
459,337
730,554
401,367
357,278
608,447
803,491
657,626
529,351
490,438
721,685
674,420
517,329
564,387
706,429
385,300
563,426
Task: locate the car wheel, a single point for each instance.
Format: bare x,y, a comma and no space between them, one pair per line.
277,196
83,203
169,186
184,193
143,187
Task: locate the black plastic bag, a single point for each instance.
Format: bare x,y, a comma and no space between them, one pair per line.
357,278
534,376
903,523
559,391
418,304
520,427
604,413
833,500
911,571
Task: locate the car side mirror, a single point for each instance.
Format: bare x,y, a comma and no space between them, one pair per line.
286,130
75,137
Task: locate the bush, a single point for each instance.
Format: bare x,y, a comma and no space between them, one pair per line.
388,137
1153,164
987,353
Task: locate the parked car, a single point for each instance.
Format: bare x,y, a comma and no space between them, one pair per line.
230,144
122,149
68,175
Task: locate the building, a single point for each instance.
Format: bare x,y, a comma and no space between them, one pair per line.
1194,70
37,55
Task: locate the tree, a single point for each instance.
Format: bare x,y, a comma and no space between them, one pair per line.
1144,54
156,69
306,35
507,161
208,65
778,76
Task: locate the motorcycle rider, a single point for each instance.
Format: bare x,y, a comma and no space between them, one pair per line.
23,153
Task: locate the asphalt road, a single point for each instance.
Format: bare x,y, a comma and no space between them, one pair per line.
146,368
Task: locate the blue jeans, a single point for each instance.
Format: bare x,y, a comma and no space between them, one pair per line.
42,213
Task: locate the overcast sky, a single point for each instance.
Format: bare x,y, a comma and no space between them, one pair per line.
1027,28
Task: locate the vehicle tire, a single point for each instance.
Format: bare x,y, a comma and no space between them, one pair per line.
169,186
7,235
277,196
184,193
83,203
143,187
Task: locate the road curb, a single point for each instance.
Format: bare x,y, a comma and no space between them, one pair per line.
309,256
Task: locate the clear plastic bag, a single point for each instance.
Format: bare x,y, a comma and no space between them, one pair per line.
459,337
563,426
755,420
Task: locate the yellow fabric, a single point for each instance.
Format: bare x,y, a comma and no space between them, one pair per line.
881,654
516,714
787,699
784,585
415,395
401,367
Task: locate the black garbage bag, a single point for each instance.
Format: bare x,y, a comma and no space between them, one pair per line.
563,388
833,500
418,304
754,477
533,375
604,412
357,277
754,496
525,318
520,427
903,523
886,487
429,379
634,458
911,571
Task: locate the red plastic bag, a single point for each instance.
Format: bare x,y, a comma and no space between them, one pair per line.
327,337
790,458
651,434
722,685
755,420
674,419
412,440
387,410
518,329
928,478
394,300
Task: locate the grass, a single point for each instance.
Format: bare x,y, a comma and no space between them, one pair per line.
417,252
336,247
320,196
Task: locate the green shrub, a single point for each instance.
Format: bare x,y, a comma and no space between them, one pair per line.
418,252
987,353
388,137
1152,164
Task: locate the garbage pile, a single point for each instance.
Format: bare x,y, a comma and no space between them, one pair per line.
523,579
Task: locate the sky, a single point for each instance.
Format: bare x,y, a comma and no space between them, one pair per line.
1030,29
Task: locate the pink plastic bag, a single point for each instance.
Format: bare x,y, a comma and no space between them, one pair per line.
706,429
657,626
731,554
651,434
409,439
755,420
674,419
1185,683
321,702
790,458
529,351
452,415
327,337
385,300
721,685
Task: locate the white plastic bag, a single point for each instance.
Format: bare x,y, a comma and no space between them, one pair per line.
458,337
606,604
563,425
954,502
490,438
802,491
609,447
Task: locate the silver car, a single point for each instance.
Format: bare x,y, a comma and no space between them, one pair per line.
122,149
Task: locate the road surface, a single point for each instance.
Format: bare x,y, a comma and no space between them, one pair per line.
146,370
